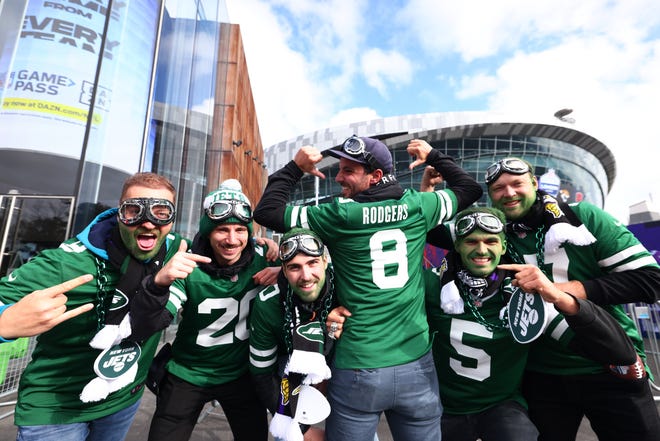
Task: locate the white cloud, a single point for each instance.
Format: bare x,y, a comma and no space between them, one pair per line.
600,58
382,68
483,28
614,88
476,85
301,62
356,114
285,95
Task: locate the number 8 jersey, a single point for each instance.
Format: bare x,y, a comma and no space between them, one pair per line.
377,249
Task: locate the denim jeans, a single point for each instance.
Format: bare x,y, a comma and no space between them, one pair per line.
507,421
113,427
407,394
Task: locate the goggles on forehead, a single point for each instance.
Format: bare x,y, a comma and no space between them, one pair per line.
224,209
507,165
136,211
356,148
484,221
304,243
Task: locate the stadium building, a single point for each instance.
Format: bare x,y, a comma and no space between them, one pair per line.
570,164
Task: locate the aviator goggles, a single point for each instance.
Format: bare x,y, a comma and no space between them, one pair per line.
514,166
224,209
305,243
355,147
485,221
136,211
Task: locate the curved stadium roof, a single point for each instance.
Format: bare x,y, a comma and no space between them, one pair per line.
441,126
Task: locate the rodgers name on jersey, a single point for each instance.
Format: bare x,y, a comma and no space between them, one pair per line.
384,214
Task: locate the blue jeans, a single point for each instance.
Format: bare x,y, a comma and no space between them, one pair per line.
507,421
110,428
407,394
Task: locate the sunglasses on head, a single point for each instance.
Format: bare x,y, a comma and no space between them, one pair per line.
356,148
136,211
514,166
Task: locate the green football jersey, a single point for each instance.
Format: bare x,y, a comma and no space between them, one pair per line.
63,361
266,331
479,367
211,343
616,249
271,338
377,249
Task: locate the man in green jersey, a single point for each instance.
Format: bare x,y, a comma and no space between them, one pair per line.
86,376
210,351
480,365
375,233
288,342
588,253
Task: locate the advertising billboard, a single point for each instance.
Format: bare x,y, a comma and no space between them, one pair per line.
60,56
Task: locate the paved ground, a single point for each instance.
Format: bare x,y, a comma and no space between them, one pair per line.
214,427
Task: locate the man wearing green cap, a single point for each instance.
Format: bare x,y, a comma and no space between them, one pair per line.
210,352
288,326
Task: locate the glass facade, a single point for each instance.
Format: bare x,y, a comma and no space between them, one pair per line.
115,126
183,109
94,91
75,94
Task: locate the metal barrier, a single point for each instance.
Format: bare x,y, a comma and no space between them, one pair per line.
647,319
14,357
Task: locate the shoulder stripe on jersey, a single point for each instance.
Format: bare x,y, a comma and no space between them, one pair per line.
177,297
75,247
637,263
304,221
622,255
264,353
559,330
295,212
447,211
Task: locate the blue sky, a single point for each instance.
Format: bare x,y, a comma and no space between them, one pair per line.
321,63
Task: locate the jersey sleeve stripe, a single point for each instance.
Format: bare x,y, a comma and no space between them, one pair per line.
637,263
559,329
304,221
262,364
177,297
447,211
295,212
264,353
622,255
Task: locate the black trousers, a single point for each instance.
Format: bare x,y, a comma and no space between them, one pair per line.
617,409
180,403
506,421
